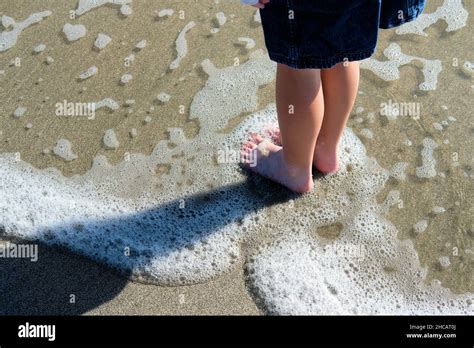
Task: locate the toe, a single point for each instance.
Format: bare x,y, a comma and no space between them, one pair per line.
249,145
274,134
269,133
257,138
252,145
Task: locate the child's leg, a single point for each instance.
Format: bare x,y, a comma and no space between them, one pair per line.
297,91
340,85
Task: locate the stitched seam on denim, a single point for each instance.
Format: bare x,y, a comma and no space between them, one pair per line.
343,55
322,63
337,56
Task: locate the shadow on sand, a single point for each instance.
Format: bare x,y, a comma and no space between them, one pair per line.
45,287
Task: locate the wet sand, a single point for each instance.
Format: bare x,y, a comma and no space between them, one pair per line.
99,290
62,283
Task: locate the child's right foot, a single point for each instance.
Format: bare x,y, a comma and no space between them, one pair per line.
326,160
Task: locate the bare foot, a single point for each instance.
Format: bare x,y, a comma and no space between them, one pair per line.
273,132
266,159
325,160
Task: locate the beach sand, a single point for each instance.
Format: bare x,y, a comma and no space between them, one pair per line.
45,287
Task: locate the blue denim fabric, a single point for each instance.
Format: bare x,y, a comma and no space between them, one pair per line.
319,34
394,13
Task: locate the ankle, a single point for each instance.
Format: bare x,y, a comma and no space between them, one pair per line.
296,170
328,146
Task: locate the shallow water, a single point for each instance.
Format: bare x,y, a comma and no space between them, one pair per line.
208,110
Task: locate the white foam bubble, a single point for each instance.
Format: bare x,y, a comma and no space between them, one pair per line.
248,42
390,70
420,226
236,86
102,41
278,289
126,10
428,167
85,6
451,11
9,38
182,45
126,79
7,22
367,133
141,45
444,262
109,103
468,68
20,111
163,97
398,170
93,70
256,17
438,126
63,149
221,18
130,59
110,139
167,12
74,32
40,48
297,276
438,210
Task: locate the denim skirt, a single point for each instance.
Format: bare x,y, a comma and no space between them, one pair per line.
318,34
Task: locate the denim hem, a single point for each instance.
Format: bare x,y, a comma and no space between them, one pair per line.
320,63
390,25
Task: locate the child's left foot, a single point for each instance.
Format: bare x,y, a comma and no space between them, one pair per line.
266,159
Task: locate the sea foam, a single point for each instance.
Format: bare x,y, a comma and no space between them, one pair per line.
85,6
9,38
182,45
390,70
452,12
